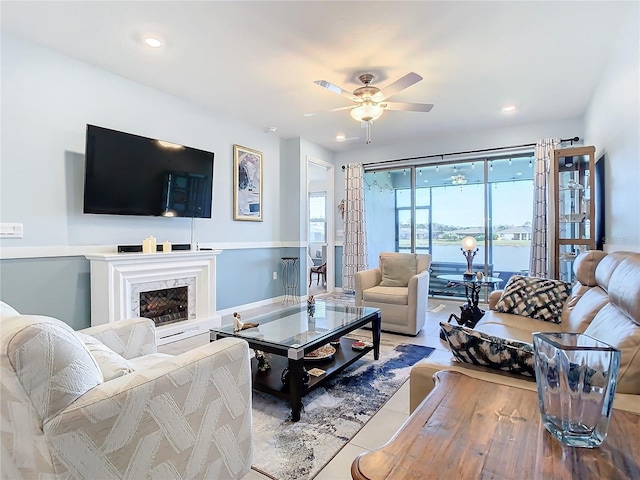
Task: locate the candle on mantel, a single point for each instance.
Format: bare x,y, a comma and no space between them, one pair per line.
149,245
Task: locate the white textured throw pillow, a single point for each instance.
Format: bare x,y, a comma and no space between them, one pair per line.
112,365
52,363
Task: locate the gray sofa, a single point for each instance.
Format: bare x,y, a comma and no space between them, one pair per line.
604,303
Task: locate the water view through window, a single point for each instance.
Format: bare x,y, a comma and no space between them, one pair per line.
429,209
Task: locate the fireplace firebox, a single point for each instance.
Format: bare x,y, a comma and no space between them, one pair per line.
165,306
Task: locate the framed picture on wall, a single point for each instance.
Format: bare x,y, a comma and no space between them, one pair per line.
247,184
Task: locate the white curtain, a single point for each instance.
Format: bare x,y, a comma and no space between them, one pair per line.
538,263
354,256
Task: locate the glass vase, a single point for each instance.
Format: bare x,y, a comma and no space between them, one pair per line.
576,376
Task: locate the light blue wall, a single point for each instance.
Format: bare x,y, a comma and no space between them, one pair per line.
55,287
47,100
246,276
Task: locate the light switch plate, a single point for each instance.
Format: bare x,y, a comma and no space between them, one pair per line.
11,230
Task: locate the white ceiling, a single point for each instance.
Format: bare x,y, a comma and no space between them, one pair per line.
257,61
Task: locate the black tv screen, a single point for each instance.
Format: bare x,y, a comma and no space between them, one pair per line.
127,174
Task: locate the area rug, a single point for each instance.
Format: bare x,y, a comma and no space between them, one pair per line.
332,414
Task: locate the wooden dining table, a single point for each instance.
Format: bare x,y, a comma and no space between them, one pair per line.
473,429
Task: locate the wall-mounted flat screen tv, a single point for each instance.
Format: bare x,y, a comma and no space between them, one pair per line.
128,174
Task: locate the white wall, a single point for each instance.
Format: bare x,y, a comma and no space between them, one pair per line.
295,153
612,124
47,100
463,141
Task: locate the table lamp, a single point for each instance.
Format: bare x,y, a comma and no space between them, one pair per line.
469,250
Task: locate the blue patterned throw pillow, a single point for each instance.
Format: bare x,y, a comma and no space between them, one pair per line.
533,297
470,346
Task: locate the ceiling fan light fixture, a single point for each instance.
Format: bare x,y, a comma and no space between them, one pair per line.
367,112
459,179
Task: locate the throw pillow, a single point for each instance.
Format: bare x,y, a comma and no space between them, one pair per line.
397,269
470,346
111,364
533,297
52,364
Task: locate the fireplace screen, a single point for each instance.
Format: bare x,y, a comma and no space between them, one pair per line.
165,306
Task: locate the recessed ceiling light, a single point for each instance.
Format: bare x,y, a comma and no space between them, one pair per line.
340,137
271,129
509,108
153,42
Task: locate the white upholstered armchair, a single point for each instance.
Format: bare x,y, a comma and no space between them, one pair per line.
399,288
101,403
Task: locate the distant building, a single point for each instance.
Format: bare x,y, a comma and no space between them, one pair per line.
467,232
515,233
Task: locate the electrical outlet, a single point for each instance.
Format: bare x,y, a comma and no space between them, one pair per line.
11,230
275,275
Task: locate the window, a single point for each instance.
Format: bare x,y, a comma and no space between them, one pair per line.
403,220
318,217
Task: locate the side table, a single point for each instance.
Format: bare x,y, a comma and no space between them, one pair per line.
468,429
290,279
470,312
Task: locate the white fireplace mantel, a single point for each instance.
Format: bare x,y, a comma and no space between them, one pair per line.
118,278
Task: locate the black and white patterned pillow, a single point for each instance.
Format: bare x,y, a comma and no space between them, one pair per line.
470,346
533,297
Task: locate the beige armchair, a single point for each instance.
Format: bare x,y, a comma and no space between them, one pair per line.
399,288
102,403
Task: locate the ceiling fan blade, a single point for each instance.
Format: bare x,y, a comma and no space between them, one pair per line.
407,107
399,85
335,89
311,114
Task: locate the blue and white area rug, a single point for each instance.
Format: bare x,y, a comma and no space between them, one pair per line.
332,414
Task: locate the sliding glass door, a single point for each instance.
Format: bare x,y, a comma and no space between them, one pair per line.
431,208
387,217
510,191
457,193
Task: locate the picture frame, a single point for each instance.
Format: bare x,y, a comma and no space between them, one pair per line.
247,184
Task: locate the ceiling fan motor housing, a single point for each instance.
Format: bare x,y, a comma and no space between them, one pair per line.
367,92
366,78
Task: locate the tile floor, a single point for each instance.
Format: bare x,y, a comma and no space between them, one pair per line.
391,416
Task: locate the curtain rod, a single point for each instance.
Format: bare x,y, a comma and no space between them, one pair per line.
495,149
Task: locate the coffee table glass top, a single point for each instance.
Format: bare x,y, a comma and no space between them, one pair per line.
294,327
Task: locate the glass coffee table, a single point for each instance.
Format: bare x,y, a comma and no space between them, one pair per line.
291,334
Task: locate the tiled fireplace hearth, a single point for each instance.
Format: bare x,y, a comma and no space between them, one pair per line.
175,289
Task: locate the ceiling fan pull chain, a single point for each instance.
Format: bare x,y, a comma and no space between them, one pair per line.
369,132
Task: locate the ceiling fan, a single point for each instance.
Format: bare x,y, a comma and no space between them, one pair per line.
370,102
